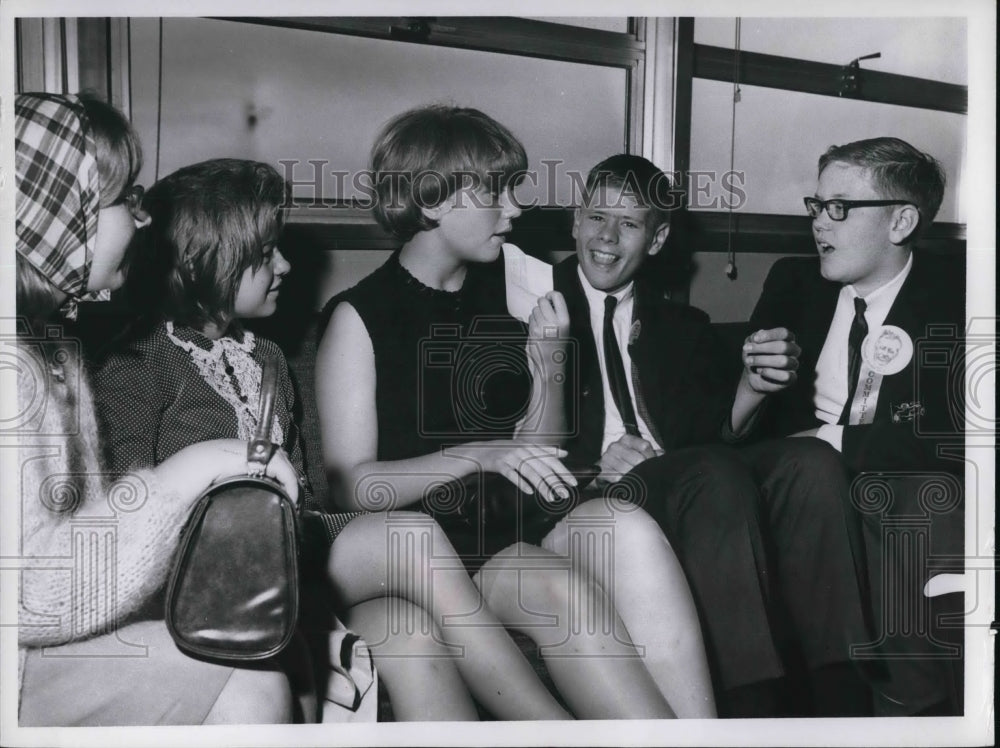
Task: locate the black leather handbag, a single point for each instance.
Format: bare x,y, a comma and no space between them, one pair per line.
234,589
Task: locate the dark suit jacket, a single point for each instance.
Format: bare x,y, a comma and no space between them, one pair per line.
930,307
680,370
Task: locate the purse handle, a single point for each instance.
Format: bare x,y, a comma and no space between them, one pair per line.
260,448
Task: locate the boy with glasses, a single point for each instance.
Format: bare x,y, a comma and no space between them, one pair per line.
820,360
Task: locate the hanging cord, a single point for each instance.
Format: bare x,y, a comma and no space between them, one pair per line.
63,62
159,103
128,65
731,271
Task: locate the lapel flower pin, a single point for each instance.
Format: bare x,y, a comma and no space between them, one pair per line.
907,412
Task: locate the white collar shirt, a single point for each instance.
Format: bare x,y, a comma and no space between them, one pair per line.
614,426
831,367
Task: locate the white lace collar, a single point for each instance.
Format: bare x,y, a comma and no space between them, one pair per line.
229,368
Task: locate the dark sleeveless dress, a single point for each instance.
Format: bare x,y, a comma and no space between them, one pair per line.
450,368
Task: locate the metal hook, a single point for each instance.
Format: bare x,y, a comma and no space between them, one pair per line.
850,75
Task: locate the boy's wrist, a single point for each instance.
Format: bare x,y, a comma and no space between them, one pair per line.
750,393
549,357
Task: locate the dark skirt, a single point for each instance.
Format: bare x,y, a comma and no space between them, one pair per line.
484,513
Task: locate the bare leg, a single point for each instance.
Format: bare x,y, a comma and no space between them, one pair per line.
253,697
90,683
584,644
296,662
405,554
419,673
631,559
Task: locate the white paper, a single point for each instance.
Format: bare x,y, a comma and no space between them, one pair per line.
527,279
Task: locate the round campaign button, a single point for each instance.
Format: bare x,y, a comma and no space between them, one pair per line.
886,349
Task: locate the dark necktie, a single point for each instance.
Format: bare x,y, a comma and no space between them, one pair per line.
616,369
859,329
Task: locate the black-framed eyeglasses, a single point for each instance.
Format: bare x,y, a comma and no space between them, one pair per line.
838,209
132,199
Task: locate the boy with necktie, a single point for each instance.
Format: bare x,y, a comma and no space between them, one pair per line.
880,377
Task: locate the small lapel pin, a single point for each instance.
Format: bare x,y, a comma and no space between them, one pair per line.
907,412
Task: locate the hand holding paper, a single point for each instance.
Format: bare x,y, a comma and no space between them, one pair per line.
527,279
550,318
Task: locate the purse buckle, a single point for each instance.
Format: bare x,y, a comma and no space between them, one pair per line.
258,454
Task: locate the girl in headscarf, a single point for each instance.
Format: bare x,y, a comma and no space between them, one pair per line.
95,553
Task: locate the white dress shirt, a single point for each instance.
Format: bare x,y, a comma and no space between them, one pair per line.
831,367
614,426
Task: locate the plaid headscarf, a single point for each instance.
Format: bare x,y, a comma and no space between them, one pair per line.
58,189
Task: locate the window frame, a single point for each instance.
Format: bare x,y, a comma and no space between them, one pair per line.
645,52
648,127
707,230
506,35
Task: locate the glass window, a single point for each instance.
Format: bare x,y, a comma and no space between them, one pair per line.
227,92
780,135
602,23
933,48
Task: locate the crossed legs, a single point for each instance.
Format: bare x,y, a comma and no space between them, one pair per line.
418,669
620,548
585,646
406,555
629,644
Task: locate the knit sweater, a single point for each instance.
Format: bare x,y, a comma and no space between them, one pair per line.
92,552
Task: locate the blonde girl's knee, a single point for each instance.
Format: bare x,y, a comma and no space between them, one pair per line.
557,591
632,522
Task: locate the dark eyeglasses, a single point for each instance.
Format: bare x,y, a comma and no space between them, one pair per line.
838,209
132,199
